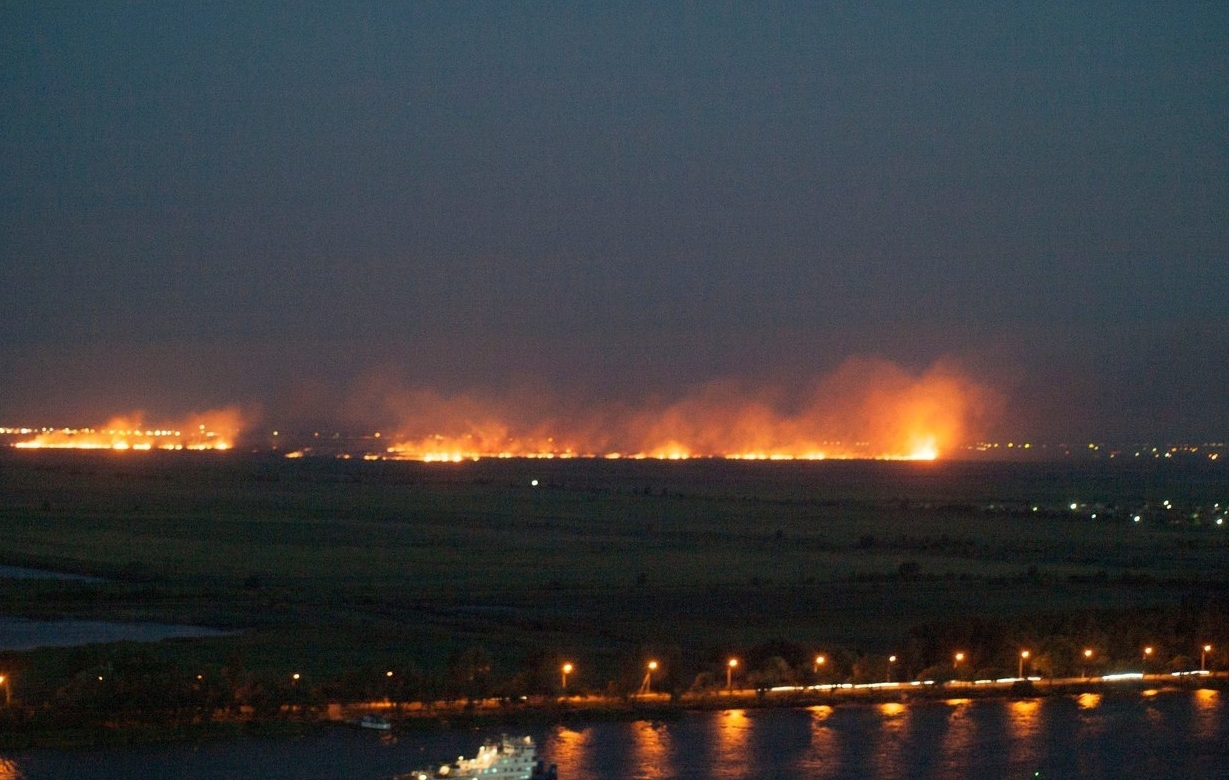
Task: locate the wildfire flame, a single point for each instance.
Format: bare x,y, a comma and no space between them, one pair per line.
216,429
866,409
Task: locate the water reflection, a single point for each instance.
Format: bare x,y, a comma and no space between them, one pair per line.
569,749
1121,735
732,740
1207,714
958,738
650,753
891,755
822,761
1024,730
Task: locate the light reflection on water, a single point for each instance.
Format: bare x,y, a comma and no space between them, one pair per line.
893,732
731,732
959,732
569,749
650,756
1089,701
1207,705
1024,727
1122,736
823,760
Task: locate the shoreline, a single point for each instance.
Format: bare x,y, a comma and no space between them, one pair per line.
538,711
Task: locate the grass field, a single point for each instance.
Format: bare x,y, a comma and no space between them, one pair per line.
327,564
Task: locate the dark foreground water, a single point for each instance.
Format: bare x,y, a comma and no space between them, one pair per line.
1165,735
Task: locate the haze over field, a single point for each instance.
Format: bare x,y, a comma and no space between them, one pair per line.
620,227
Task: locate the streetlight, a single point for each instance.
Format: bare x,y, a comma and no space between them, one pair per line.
819,661
1020,668
647,685
564,671
8,692
729,673
956,665
1203,658
891,660
1147,656
1087,658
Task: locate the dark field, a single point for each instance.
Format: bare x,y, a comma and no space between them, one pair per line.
333,566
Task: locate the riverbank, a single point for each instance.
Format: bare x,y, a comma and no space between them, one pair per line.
657,706
37,732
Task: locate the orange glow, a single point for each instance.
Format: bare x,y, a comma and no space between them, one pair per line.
730,735
216,429
1089,701
892,708
569,749
866,409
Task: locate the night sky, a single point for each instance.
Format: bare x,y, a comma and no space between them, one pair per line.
289,205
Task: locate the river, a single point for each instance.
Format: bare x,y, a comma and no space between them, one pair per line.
1113,736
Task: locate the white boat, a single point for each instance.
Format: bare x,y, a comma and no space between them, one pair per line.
502,759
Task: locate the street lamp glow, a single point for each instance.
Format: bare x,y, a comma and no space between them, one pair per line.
891,660
647,685
565,670
729,673
1024,654
1203,658
819,661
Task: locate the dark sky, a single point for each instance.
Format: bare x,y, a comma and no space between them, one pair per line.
205,204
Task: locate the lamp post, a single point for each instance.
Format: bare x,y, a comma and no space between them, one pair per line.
1147,657
891,660
564,671
1024,654
729,673
8,691
956,663
1203,658
1087,658
647,686
819,661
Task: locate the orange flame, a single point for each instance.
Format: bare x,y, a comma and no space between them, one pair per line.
216,429
868,408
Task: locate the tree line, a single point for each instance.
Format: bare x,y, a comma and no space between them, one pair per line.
129,684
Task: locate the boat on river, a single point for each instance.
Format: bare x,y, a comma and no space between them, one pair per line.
375,723
502,759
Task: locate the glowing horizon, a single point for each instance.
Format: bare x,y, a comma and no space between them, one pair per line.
867,409
216,429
